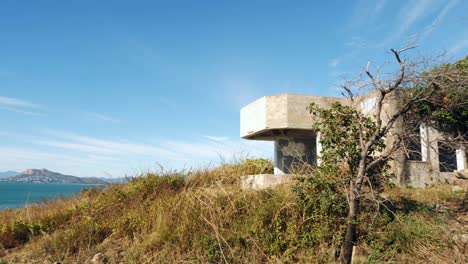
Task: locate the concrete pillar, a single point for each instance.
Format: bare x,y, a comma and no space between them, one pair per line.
277,161
433,137
461,158
319,148
424,142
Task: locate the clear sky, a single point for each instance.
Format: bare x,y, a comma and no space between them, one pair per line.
107,88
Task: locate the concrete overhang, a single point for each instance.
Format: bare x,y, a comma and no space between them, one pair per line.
272,116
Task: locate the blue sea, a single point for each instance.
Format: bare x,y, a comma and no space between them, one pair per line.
14,195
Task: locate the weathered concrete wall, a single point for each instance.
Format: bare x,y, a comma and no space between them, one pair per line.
277,111
298,116
461,158
432,144
419,174
264,117
263,181
285,117
253,117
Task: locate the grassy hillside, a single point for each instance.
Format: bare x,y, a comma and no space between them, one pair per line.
205,217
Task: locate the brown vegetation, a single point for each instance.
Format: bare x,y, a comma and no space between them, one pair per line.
205,217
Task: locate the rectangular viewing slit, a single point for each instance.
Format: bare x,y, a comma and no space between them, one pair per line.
447,158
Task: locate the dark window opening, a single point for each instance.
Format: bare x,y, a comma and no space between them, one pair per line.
447,158
413,145
288,160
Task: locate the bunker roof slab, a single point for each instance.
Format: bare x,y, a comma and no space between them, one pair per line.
274,115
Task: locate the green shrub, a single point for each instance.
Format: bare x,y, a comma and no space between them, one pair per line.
401,237
256,166
18,233
323,205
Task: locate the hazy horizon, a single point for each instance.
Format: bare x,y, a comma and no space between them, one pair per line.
92,88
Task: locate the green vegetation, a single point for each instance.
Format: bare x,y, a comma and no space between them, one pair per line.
356,157
443,106
205,217
448,106
352,162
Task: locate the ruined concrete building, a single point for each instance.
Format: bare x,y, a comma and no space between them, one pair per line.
284,119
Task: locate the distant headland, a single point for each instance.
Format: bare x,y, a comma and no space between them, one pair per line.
46,176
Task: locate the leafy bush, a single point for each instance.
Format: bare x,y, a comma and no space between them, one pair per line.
19,232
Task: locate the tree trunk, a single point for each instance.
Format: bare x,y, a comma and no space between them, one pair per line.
350,237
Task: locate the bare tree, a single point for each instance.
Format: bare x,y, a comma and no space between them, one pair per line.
368,149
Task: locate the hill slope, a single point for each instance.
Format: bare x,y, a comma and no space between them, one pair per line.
205,217
5,174
46,176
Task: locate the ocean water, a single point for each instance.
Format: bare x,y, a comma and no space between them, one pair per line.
14,195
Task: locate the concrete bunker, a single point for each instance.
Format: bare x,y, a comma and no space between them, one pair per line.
285,120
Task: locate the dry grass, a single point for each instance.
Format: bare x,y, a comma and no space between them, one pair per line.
206,217
446,194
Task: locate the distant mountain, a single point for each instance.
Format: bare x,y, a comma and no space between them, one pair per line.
8,174
46,176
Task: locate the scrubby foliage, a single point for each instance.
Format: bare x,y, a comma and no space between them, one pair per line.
342,162
448,106
341,148
444,106
206,217
230,173
356,153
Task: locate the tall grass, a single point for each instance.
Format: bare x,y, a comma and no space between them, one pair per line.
205,217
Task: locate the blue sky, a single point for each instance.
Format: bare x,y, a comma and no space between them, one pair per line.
107,88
